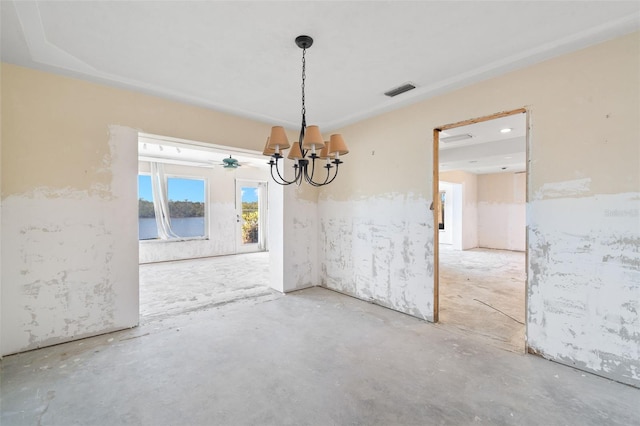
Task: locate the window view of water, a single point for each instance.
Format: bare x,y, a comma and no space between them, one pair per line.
147,229
183,227
186,207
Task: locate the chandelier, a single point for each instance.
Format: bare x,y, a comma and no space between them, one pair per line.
310,150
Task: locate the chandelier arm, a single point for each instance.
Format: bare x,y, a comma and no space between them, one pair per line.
318,184
300,172
326,179
283,181
313,168
310,181
334,176
309,178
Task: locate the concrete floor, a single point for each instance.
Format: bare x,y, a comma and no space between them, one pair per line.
171,288
482,291
313,357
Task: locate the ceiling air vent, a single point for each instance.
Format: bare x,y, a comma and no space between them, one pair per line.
398,90
456,138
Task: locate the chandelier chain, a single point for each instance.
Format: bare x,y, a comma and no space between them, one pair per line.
304,77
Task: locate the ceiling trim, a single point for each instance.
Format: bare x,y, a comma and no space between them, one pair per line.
52,57
600,33
46,53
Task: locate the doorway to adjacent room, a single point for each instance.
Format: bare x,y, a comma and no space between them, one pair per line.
203,237
480,182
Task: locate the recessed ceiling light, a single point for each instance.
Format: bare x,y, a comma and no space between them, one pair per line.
506,158
506,130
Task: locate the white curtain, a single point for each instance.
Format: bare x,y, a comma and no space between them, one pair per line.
160,202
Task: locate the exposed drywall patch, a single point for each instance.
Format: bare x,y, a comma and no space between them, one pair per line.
58,268
584,283
568,188
67,270
300,242
379,249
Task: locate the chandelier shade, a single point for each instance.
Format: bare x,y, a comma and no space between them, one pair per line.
295,153
310,146
337,145
324,153
313,139
278,139
267,150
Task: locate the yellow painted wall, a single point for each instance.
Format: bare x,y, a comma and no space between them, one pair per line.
584,105
502,188
52,125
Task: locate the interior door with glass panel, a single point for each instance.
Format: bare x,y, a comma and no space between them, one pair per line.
251,216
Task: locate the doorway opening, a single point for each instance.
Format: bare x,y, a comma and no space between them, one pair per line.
203,237
251,205
480,182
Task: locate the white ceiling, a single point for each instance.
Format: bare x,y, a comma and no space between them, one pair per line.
488,150
240,57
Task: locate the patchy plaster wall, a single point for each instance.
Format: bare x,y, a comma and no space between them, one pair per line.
583,287
584,281
276,237
379,249
501,211
300,235
1,134
70,269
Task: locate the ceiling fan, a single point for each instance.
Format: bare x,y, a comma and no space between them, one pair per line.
230,163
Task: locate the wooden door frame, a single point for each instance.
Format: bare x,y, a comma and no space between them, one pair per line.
436,190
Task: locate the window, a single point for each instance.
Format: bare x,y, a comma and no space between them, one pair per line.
147,228
250,215
186,208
